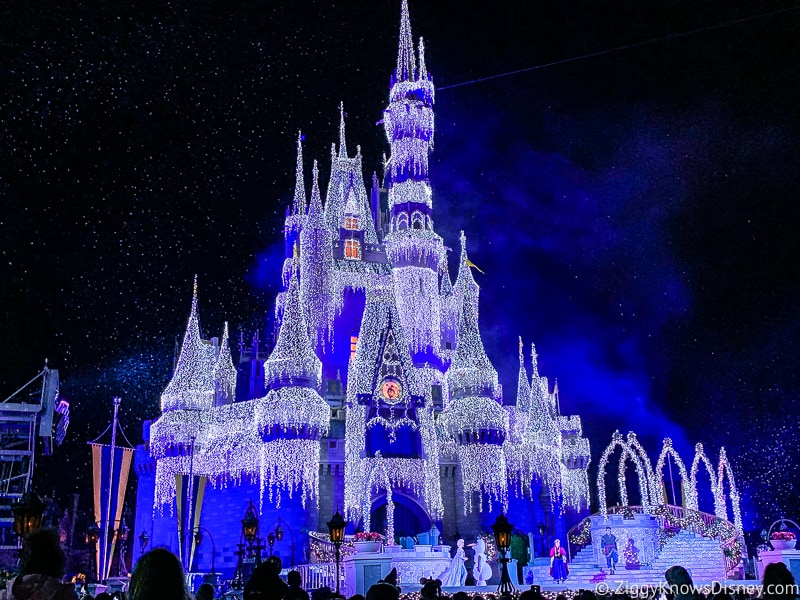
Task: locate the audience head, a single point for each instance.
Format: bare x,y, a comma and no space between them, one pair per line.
294,579
42,554
678,576
383,591
778,581
158,576
275,565
205,592
356,597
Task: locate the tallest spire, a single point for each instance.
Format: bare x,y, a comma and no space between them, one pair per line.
299,203
342,143
406,64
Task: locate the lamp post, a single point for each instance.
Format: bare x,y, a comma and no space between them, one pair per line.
251,531
198,539
502,537
271,541
336,529
27,513
122,535
280,529
92,535
144,539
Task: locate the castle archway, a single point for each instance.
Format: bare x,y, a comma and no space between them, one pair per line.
410,518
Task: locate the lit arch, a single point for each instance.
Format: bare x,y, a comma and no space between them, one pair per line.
701,458
652,484
668,450
724,470
618,440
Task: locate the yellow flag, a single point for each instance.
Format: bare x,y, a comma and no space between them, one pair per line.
474,266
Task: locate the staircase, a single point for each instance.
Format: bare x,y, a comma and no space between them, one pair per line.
701,556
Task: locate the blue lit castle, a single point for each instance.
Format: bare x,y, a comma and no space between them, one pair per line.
377,396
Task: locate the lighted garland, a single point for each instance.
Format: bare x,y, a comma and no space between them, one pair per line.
668,450
652,484
701,458
618,441
724,470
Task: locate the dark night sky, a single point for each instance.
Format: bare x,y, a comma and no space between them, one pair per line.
635,213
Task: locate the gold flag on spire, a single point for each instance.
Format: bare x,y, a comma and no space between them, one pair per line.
474,266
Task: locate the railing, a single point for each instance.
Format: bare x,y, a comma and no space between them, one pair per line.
675,517
319,575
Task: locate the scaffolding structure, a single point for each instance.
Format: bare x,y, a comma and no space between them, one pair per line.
33,421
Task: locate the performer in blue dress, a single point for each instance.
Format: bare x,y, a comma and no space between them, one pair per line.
456,574
558,562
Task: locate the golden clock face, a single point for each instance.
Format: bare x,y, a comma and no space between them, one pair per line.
391,391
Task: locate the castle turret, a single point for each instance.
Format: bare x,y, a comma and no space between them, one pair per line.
316,267
293,417
473,417
347,180
192,384
296,216
178,432
224,373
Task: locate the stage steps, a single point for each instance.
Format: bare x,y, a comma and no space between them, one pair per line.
701,556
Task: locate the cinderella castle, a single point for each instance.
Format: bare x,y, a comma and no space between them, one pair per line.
377,397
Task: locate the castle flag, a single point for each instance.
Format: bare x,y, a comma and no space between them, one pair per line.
110,480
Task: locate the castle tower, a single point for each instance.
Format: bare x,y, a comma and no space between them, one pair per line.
292,417
474,418
190,392
389,421
414,250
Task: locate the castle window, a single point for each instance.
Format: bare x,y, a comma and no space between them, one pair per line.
402,221
351,222
417,220
353,344
352,249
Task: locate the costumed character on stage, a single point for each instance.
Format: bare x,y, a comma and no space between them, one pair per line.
609,545
456,574
558,562
481,571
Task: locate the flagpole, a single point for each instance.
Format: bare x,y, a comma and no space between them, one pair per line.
105,549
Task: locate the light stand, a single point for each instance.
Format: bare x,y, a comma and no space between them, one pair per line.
502,537
92,536
122,536
336,529
198,539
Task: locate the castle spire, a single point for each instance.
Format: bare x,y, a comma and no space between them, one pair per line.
534,360
471,372
405,52
523,386
299,203
224,372
465,283
423,70
315,215
293,360
342,143
192,382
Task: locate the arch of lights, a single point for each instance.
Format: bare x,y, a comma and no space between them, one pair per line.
653,481
668,450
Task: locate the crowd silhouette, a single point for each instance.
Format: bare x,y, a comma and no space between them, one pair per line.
159,575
